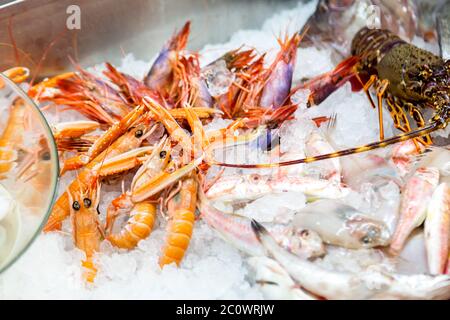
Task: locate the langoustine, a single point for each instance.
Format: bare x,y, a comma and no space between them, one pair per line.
107,148
12,136
87,230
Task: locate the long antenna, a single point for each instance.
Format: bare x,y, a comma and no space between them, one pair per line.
380,144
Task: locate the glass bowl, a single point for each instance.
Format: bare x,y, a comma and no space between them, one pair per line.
28,171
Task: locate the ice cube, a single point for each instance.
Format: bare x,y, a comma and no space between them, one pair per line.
218,78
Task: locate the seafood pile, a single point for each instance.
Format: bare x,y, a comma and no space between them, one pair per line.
228,159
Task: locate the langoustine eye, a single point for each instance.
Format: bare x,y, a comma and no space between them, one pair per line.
76,205
139,133
87,202
366,240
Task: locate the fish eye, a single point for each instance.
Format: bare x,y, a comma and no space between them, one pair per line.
304,233
366,240
76,205
255,177
139,133
87,202
163,154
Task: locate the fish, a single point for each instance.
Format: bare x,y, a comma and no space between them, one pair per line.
404,155
236,230
436,157
335,22
372,283
342,225
317,144
413,206
366,168
275,282
233,188
429,14
437,229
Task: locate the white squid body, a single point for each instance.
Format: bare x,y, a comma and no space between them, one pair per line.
274,281
370,284
437,229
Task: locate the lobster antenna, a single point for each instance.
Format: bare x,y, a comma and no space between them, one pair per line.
371,146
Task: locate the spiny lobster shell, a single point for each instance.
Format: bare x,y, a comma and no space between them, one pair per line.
410,70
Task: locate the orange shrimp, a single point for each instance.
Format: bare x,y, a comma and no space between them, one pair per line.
87,231
45,89
112,134
87,94
12,136
181,224
138,227
156,175
143,213
128,141
16,74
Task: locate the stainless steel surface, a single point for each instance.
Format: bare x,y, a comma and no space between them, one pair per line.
443,25
37,28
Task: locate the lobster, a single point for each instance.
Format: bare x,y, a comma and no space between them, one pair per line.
408,78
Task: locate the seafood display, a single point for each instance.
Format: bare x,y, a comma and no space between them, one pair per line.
233,151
